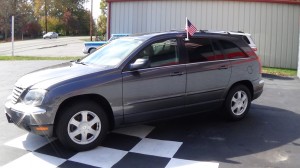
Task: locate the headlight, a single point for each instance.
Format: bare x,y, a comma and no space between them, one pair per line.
34,97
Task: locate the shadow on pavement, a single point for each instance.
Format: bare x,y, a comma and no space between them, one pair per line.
271,76
208,137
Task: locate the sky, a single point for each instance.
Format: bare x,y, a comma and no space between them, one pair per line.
96,7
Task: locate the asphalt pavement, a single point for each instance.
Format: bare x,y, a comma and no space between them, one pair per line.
268,137
62,46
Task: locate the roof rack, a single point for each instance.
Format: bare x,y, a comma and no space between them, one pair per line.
203,31
221,32
212,31
172,30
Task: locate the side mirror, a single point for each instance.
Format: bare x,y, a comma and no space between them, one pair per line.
139,63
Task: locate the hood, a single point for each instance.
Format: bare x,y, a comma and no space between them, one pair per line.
46,77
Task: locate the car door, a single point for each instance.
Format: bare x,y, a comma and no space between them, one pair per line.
157,90
208,74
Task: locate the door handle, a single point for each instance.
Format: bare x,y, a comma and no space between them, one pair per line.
176,73
223,67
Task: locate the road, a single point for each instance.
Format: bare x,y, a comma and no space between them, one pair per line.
268,137
62,46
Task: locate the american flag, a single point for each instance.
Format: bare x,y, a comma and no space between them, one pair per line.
191,29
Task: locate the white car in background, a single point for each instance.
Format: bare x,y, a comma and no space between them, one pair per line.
92,46
50,35
246,37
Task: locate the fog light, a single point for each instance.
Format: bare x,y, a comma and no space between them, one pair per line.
41,128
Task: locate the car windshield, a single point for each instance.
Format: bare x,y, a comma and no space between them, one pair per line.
113,38
113,53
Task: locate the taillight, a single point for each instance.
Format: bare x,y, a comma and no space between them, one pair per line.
254,48
260,64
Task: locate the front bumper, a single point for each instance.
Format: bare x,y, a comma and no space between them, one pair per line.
29,118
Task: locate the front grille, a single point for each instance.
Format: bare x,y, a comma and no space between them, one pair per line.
17,91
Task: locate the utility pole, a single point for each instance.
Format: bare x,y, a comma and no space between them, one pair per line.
91,21
46,24
12,35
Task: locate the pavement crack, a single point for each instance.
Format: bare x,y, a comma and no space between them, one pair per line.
53,46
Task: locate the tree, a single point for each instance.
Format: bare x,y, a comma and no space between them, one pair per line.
68,13
32,29
23,12
25,20
53,23
5,15
33,16
102,20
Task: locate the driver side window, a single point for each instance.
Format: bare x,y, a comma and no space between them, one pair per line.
161,53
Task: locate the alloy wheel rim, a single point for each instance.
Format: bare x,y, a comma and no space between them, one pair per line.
84,127
239,103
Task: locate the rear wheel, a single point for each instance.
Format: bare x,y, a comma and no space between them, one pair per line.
237,102
82,126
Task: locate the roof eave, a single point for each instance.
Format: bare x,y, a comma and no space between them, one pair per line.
267,1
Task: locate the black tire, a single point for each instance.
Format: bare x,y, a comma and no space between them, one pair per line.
92,50
237,110
64,128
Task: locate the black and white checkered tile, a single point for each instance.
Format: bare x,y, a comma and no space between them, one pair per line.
125,147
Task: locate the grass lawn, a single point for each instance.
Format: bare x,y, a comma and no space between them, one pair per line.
24,58
280,71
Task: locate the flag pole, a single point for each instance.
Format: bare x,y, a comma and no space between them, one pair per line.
186,29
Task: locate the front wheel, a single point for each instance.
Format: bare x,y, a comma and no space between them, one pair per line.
237,102
82,126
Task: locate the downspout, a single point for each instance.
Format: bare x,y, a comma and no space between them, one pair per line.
108,20
298,69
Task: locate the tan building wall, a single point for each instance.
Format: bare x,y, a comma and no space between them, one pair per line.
274,26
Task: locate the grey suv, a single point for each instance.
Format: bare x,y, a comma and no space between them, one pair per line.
136,79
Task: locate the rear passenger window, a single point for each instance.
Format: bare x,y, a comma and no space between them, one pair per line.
231,50
199,50
218,52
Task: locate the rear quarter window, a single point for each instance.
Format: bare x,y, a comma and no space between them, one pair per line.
245,38
218,51
231,50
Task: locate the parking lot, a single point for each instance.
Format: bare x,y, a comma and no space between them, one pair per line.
268,137
62,46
